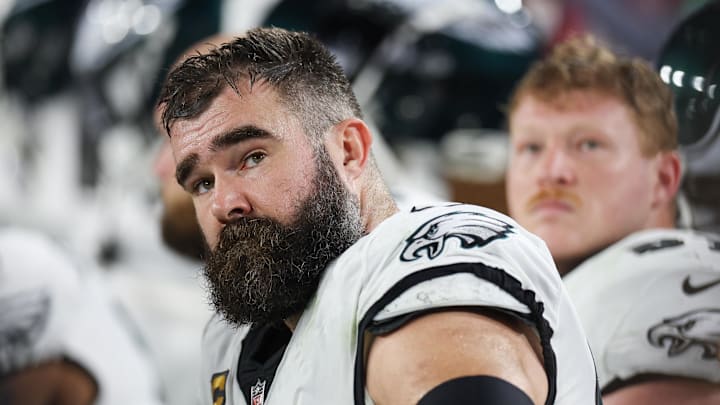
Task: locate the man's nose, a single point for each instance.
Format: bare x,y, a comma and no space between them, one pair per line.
230,201
557,167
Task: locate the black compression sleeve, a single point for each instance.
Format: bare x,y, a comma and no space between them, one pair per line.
476,390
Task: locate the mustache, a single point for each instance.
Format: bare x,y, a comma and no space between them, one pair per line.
554,194
244,227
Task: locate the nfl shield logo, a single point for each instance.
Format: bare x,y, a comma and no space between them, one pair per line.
257,393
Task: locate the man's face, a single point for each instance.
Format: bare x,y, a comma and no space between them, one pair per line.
263,271
273,210
576,176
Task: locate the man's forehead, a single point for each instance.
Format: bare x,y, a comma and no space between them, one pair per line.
256,106
191,133
572,108
570,99
220,105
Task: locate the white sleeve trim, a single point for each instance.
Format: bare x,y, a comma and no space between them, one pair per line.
461,289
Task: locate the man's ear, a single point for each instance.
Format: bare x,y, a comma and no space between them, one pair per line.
356,141
669,175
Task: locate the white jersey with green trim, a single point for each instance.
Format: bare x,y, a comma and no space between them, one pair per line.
447,255
650,305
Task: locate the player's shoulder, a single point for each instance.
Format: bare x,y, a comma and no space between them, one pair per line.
434,208
221,341
658,290
655,264
424,226
31,259
440,234
32,248
218,331
654,249
446,243
664,240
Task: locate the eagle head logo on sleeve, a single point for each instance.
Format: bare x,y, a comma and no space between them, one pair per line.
471,229
23,318
695,328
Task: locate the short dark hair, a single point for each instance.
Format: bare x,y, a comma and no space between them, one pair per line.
303,72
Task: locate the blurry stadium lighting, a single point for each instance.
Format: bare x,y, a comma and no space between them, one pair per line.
117,16
509,6
101,12
677,78
146,19
665,73
115,30
697,83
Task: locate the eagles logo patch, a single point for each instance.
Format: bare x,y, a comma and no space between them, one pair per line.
24,318
695,328
217,386
471,229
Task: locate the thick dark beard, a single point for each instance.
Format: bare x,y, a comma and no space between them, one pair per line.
263,272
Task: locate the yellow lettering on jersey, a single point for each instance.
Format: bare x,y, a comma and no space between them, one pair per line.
217,385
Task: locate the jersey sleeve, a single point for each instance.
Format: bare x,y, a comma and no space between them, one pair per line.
468,257
464,256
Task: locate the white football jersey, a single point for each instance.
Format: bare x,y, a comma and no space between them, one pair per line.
48,311
650,304
448,255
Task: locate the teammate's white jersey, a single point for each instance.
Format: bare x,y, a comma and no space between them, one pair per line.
49,311
448,255
650,304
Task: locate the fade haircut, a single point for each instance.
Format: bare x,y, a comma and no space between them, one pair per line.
582,64
299,68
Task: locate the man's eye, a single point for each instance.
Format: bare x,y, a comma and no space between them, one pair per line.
202,187
254,159
531,148
589,144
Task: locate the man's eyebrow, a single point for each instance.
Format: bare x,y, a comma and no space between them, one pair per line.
185,168
238,135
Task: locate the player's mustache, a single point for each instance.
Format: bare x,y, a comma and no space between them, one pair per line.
554,194
243,230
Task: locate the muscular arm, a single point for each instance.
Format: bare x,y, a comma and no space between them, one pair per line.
404,365
666,392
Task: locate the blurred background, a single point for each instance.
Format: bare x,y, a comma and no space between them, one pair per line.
80,77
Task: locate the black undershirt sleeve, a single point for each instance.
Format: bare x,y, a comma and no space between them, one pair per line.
476,390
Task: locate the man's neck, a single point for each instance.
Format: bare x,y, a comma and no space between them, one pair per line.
377,205
663,220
